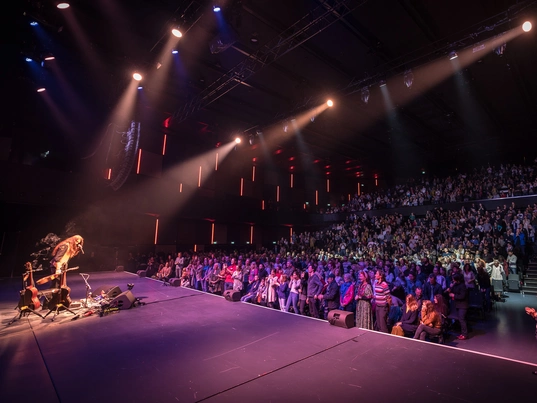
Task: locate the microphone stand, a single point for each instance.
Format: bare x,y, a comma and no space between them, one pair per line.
88,287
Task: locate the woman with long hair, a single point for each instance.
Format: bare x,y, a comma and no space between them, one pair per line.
440,305
409,320
303,292
364,295
469,276
431,322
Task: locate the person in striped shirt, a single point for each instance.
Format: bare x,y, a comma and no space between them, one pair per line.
382,306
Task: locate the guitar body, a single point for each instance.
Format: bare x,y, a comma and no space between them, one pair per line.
29,294
30,298
65,299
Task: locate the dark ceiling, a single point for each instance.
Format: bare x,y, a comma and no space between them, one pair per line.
305,51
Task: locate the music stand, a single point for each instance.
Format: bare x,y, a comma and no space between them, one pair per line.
88,287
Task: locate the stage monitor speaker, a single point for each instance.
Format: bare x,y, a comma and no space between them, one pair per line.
232,296
341,318
111,291
176,282
123,300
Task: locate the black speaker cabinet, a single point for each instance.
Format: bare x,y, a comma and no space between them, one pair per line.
111,291
123,300
341,318
232,296
176,282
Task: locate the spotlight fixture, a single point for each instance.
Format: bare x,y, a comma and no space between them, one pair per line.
49,57
42,89
409,78
258,132
254,38
34,23
216,8
365,95
312,119
28,59
237,140
382,83
175,51
453,55
140,87
330,103
251,139
177,33
526,27
62,6
137,76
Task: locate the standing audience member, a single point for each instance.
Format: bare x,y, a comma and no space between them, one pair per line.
283,291
294,287
364,295
315,287
346,294
330,295
382,292
459,296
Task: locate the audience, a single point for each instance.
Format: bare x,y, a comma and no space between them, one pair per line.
377,262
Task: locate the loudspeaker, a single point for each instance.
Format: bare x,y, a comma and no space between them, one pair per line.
176,282
232,296
123,300
111,291
341,318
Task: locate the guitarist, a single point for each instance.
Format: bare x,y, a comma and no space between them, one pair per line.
62,253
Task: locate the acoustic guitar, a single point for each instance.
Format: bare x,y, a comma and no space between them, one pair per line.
29,294
60,297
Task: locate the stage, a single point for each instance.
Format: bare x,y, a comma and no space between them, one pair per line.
187,346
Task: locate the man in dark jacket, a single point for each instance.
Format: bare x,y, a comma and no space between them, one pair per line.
315,287
431,288
331,295
459,295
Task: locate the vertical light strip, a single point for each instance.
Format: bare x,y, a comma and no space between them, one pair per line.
305,206
242,186
292,180
251,234
212,233
327,185
316,197
291,235
139,161
164,145
216,162
359,190
262,204
253,173
199,178
109,175
156,231
278,193
180,188
195,248
376,182
349,197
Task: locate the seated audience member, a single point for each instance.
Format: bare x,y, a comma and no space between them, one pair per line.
431,322
409,319
431,288
237,279
251,290
165,272
261,298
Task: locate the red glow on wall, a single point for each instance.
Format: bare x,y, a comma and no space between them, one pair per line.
316,161
167,122
291,158
278,151
291,167
254,159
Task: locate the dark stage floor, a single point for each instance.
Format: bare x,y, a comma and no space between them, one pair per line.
186,346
